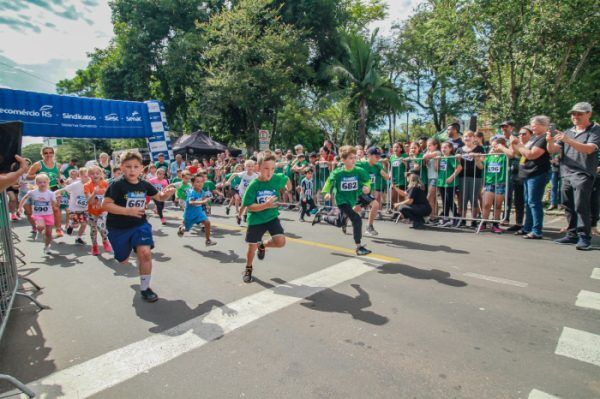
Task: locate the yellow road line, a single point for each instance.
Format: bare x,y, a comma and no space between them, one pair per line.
379,257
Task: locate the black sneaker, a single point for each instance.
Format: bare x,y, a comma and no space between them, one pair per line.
148,295
260,251
79,241
238,219
344,229
70,230
584,244
362,251
227,210
247,276
317,217
567,240
516,227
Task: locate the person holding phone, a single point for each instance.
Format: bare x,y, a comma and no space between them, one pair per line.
49,167
10,178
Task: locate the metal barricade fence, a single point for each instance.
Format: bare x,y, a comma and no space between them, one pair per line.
474,191
9,282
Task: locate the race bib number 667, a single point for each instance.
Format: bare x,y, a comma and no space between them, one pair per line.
136,200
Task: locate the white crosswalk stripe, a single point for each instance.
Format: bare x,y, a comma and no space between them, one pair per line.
579,345
588,299
535,394
596,273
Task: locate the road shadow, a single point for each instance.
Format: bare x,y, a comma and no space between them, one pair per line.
328,300
23,353
170,316
223,257
440,276
418,246
292,235
128,269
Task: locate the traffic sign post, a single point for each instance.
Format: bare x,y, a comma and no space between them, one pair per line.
263,140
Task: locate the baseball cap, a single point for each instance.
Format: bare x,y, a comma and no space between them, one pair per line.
373,151
581,107
507,122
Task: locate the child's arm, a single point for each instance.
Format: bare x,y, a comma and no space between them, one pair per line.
165,194
457,171
25,197
270,203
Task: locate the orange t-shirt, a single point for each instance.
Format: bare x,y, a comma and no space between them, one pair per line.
94,207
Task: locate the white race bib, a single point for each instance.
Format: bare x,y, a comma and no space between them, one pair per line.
136,200
349,184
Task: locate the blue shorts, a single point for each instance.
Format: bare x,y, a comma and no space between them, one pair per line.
498,189
123,241
196,219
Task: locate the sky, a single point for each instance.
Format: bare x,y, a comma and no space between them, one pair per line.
44,41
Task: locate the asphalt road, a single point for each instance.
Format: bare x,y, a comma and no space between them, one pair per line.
431,314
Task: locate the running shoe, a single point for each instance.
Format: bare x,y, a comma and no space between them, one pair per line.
567,240
48,251
584,244
163,221
14,217
95,250
210,243
148,295
345,228
247,276
59,233
362,251
227,210
371,231
496,229
79,241
106,245
238,219
69,230
260,251
180,231
317,217
245,218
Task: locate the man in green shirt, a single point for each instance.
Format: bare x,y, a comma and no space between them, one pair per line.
377,174
161,163
263,211
348,183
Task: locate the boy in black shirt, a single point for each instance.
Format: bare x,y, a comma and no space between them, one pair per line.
125,202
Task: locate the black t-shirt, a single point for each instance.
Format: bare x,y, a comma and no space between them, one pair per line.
535,167
418,195
128,195
468,162
456,143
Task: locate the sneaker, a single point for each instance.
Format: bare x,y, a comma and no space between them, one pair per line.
163,221
516,227
148,295
584,244
95,250
317,217
345,228
14,217
69,230
245,218
227,210
107,247
496,229
79,241
301,220
59,233
260,251
247,276
371,231
238,219
362,251
447,223
210,243
567,240
48,251
180,231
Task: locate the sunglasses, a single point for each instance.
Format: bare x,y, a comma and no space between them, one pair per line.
48,153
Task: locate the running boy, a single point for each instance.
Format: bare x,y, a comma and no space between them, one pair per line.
261,200
128,230
348,183
78,204
196,200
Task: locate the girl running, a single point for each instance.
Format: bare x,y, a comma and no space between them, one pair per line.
95,190
43,202
160,182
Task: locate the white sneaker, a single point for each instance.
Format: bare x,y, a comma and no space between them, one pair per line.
371,231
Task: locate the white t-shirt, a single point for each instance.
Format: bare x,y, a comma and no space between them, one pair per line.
41,202
245,181
77,198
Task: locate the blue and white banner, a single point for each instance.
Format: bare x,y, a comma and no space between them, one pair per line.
160,141
51,115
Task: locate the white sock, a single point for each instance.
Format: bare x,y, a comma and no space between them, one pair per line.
145,282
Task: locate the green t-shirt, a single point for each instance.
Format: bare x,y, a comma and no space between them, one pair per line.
182,190
446,168
374,172
257,193
417,163
53,174
494,166
209,186
348,184
398,169
175,180
164,165
67,170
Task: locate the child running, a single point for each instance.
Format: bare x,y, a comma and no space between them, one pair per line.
348,182
160,182
234,184
128,229
95,190
375,170
78,204
43,202
260,198
182,187
246,177
194,213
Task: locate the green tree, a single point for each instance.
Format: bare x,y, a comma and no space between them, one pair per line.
360,74
32,151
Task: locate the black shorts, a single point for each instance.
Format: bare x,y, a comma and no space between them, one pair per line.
364,200
255,232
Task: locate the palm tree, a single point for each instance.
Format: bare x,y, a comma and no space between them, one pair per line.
360,71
